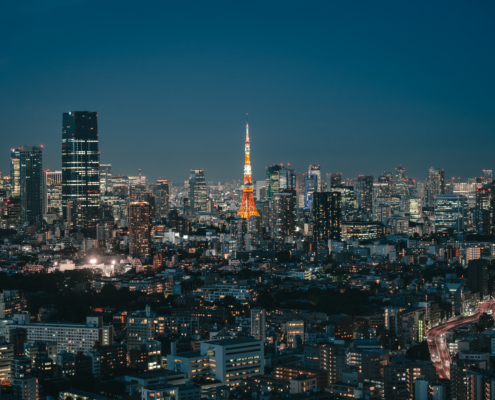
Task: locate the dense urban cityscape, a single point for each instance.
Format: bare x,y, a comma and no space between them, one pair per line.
305,284
263,200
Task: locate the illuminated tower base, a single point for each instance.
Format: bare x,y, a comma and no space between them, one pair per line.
248,207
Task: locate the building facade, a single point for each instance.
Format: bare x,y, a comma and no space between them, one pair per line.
81,162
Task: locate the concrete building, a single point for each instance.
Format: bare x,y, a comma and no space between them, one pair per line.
234,359
69,337
139,328
258,323
6,356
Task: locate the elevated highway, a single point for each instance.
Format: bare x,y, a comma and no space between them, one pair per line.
437,341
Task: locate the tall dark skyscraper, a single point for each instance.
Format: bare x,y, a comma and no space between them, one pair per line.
81,163
365,193
31,184
161,191
283,216
326,216
197,191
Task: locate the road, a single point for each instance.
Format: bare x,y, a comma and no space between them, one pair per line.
437,341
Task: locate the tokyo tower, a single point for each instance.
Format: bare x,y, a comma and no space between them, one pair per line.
248,208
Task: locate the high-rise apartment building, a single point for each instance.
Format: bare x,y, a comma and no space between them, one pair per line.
283,216
139,223
81,163
315,170
197,191
105,178
400,378
26,388
295,333
327,216
450,212
258,323
15,173
31,184
139,328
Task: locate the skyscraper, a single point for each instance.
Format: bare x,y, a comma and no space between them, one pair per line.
283,216
31,184
52,193
300,190
478,278
483,213
248,207
400,182
310,185
334,179
434,185
487,176
162,198
450,212
81,163
105,178
315,170
197,191
365,193
326,216
272,180
139,223
15,173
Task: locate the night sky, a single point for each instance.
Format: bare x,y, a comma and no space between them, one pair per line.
358,87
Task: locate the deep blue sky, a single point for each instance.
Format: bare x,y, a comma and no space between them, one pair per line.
356,86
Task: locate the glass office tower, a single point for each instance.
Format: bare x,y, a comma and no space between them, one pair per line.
450,212
81,163
197,191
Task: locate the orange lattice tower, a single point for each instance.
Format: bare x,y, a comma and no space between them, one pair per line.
248,208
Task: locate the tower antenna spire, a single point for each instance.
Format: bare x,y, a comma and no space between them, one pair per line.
248,207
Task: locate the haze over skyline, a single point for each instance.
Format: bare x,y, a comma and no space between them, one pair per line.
358,88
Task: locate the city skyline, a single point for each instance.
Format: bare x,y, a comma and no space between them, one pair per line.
153,176
357,89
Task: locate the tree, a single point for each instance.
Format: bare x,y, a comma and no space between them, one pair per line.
419,352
